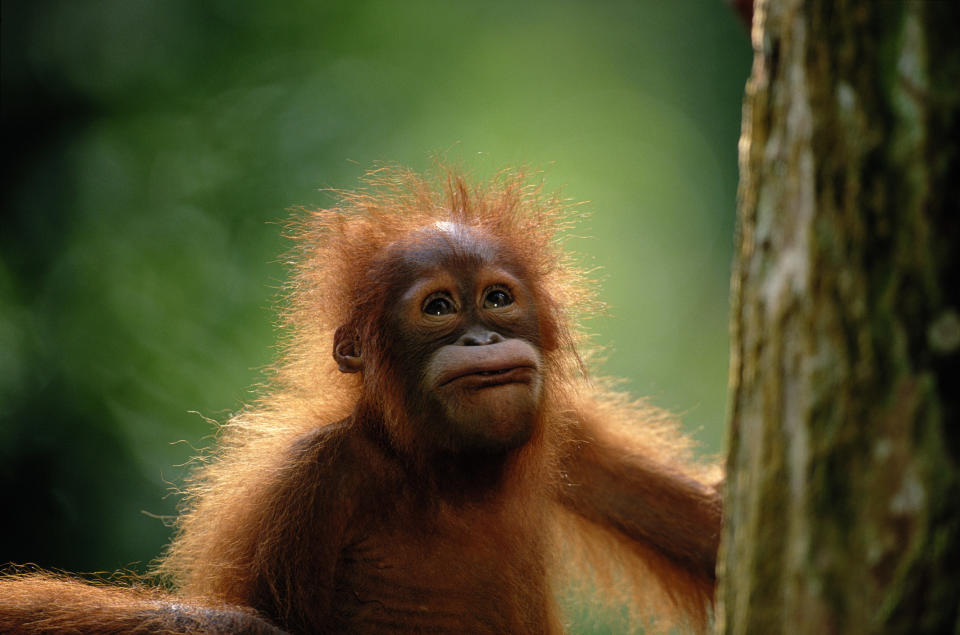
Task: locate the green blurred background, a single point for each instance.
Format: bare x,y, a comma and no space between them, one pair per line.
153,150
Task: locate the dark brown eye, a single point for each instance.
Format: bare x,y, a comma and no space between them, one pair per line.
497,298
439,305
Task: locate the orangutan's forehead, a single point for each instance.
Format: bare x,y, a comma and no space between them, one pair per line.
449,245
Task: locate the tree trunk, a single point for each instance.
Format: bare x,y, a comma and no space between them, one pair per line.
843,492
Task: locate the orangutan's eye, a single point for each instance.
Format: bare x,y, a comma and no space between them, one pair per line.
496,298
438,305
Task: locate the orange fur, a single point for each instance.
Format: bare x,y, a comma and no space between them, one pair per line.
605,481
48,603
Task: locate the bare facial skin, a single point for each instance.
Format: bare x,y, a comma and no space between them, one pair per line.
464,330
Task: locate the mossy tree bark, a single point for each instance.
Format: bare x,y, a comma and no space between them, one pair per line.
843,491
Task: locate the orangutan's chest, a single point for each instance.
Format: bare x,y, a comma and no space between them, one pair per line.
463,578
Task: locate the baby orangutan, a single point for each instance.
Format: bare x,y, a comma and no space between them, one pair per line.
450,476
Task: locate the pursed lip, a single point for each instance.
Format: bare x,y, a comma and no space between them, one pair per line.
510,362
487,375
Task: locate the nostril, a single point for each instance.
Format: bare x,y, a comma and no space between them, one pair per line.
480,337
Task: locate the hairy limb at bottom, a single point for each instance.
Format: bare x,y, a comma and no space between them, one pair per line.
43,603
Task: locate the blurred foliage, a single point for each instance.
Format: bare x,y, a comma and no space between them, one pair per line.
153,148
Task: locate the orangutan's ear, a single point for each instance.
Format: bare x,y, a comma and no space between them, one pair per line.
346,350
